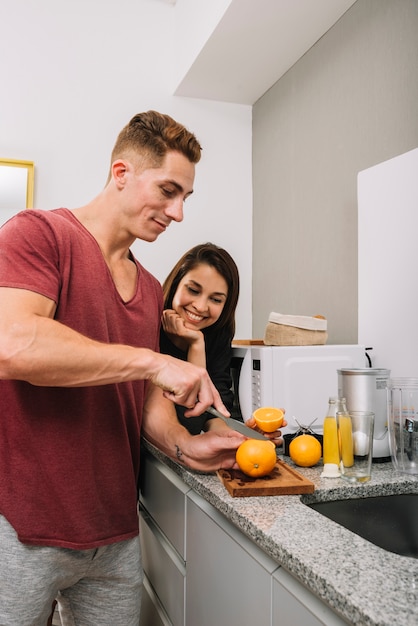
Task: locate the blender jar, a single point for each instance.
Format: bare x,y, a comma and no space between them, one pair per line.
402,401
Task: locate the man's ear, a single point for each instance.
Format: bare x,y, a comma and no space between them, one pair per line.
119,169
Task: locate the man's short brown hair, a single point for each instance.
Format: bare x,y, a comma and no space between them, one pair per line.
150,135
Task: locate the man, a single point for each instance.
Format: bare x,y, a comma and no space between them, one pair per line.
81,376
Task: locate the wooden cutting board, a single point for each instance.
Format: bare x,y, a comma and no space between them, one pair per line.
283,480
248,342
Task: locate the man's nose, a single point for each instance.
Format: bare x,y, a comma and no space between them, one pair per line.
175,210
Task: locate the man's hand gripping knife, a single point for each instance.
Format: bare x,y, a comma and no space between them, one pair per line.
206,452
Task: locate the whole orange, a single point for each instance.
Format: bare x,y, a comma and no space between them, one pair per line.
256,458
305,450
268,418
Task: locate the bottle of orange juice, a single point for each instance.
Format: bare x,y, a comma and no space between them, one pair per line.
330,444
345,434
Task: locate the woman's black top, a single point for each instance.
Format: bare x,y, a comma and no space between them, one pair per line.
218,360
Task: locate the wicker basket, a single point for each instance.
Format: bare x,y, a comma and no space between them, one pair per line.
291,333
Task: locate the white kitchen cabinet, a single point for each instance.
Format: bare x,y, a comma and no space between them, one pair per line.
165,571
387,258
152,612
163,496
162,533
228,577
294,604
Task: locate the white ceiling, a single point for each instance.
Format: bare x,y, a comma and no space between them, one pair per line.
254,44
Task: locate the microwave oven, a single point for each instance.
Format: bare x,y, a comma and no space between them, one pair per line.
299,379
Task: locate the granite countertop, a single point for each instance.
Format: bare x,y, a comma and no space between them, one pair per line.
364,583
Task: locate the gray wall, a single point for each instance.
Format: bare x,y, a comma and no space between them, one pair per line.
349,103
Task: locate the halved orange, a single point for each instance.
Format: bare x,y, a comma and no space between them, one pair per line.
268,418
256,458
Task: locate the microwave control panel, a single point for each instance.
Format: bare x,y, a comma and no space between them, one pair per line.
256,384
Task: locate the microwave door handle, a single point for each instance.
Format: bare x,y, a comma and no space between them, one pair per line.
245,387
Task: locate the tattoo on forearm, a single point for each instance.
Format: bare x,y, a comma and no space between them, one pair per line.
179,453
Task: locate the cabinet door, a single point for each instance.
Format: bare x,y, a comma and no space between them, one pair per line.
228,577
163,495
294,604
152,613
164,570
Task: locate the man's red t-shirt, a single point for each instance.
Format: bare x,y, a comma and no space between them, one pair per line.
69,457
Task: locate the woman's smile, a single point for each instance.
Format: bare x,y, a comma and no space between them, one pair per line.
194,317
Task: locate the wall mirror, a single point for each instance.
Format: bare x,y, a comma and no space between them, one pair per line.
16,186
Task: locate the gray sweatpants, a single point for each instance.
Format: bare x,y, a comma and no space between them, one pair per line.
100,587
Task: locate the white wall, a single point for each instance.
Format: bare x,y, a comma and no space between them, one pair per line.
73,73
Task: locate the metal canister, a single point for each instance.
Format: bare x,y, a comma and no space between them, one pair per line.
365,390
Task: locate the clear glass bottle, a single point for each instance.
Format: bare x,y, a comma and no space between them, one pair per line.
330,444
345,434
342,406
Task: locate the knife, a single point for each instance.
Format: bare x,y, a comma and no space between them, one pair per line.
236,425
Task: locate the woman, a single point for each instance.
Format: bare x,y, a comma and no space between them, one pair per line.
198,323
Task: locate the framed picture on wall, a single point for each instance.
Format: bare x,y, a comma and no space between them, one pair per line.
16,187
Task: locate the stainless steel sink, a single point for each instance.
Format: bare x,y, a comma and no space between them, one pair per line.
390,522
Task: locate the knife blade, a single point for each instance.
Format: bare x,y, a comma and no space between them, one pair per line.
236,425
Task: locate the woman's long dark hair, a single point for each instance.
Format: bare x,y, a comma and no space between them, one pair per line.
223,263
